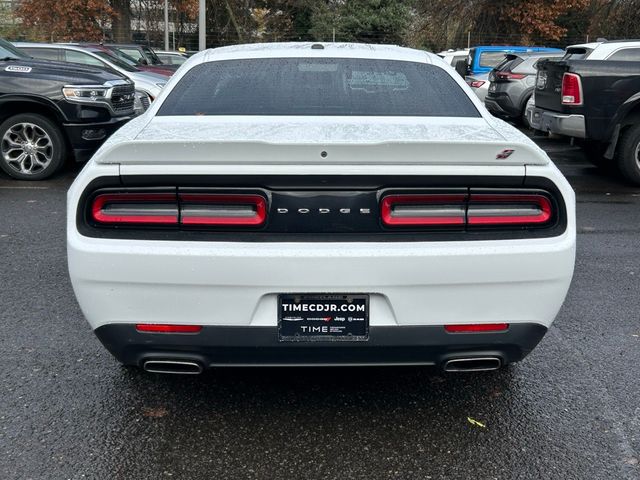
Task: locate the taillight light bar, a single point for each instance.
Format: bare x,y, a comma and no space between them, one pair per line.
508,209
170,209
429,209
509,76
222,209
474,210
135,208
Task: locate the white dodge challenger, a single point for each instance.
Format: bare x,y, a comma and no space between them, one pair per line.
319,204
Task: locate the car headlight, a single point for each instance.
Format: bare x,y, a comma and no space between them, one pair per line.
85,93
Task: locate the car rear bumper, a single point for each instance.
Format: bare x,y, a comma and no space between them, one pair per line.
557,123
218,346
237,284
500,104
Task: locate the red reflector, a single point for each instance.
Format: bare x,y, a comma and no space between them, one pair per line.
489,209
135,208
160,328
477,327
476,83
571,89
222,209
431,209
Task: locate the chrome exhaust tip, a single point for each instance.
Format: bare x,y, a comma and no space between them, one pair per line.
176,367
473,364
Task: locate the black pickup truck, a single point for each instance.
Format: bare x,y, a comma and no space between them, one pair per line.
49,110
596,102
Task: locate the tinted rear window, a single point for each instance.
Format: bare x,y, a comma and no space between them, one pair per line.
578,53
309,86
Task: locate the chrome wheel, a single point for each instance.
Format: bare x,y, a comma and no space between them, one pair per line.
27,148
637,157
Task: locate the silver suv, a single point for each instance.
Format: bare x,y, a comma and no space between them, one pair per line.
512,84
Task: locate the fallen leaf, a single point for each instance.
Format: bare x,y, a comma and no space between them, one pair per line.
476,422
158,412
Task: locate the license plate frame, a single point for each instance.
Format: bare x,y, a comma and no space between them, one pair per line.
319,321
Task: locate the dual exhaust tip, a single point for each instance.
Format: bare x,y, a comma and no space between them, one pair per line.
472,364
188,367
177,367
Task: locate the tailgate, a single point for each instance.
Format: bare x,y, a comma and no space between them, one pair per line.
549,85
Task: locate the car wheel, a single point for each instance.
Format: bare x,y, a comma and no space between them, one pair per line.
31,147
628,154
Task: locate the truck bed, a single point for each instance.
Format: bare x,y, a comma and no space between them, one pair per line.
606,86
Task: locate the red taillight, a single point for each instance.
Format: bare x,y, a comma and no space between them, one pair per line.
161,328
135,208
431,209
509,76
222,209
571,89
477,327
490,209
477,209
476,83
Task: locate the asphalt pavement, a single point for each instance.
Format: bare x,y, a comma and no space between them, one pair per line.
571,410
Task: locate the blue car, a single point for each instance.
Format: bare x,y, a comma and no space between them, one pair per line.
482,59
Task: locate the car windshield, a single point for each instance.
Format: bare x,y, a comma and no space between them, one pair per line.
124,57
309,86
152,55
9,51
115,61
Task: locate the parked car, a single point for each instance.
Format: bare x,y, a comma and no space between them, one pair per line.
146,82
454,56
479,85
481,60
622,50
50,110
142,54
596,102
172,57
164,70
512,83
287,204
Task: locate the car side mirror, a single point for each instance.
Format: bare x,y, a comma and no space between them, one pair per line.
461,68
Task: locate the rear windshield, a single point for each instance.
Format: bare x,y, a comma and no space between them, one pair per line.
491,59
508,64
578,53
323,86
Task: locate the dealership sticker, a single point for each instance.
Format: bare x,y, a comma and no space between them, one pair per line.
18,69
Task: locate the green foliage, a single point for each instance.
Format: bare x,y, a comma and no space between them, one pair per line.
370,21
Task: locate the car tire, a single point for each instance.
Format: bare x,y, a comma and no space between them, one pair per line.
628,154
31,147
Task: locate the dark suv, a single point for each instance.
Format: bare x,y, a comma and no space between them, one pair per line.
51,109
